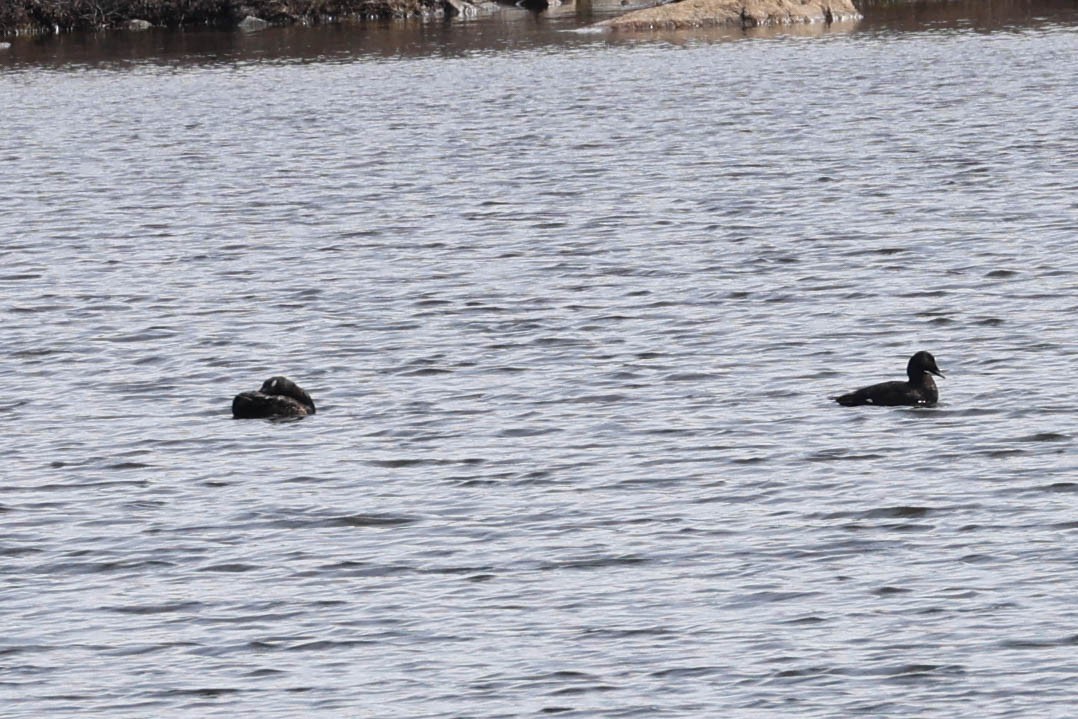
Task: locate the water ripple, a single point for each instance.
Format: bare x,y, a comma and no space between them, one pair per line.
573,309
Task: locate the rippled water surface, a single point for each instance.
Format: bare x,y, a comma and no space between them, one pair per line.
572,309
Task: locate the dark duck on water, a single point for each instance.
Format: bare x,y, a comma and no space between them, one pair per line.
918,390
278,397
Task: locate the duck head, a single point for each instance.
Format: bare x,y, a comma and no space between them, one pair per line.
285,387
921,364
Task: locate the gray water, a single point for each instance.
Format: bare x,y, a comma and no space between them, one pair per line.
572,308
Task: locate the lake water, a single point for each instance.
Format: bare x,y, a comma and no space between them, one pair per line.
572,308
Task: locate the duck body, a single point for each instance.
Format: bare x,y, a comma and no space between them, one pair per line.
919,390
278,397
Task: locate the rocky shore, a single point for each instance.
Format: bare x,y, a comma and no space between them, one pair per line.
35,16
743,13
49,16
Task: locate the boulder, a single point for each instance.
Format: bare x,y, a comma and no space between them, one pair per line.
252,23
743,13
460,7
468,8
137,24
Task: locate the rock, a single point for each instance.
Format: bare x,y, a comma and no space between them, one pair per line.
137,24
744,13
5,45
467,8
460,7
252,23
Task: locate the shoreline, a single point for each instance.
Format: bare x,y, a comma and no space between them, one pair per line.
35,18
28,17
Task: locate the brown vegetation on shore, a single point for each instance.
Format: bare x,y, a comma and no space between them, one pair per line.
60,15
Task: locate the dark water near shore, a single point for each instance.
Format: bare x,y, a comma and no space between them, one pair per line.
572,308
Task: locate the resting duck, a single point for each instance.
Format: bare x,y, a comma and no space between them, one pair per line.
279,397
919,390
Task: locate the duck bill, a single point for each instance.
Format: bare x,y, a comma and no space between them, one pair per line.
936,372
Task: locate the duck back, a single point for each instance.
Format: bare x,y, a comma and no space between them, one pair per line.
891,394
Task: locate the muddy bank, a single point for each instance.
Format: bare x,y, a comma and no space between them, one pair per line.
32,16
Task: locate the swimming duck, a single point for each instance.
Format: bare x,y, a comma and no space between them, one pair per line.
278,397
919,390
